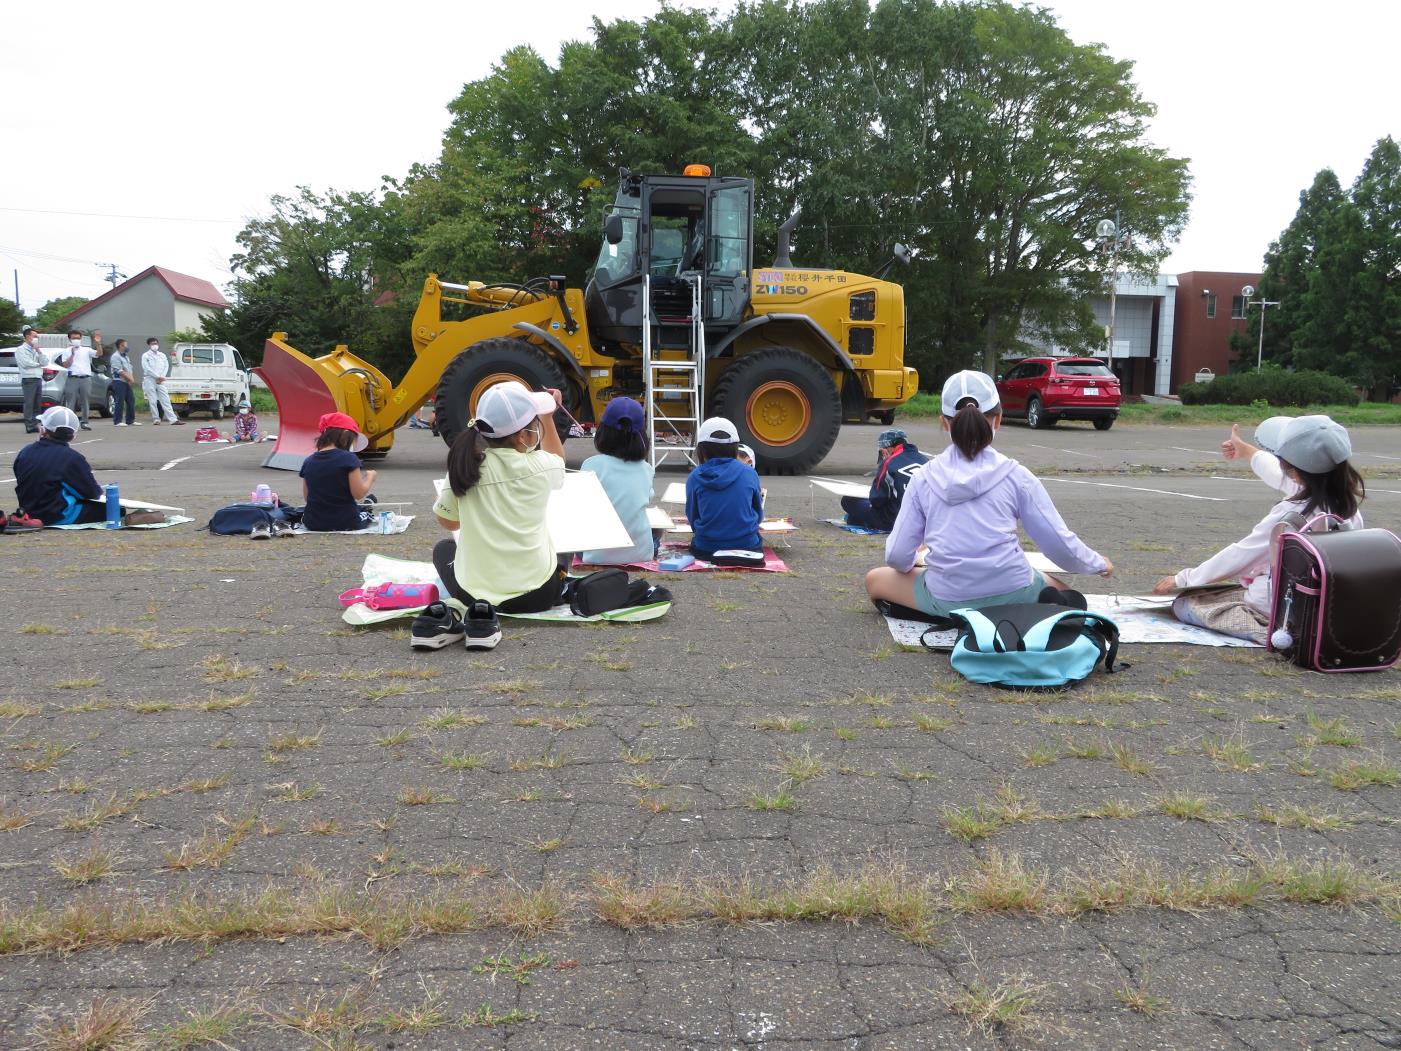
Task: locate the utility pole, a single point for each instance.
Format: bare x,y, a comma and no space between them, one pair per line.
112,275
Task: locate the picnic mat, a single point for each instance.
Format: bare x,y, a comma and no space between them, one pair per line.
380,569
397,525
772,564
847,527
170,520
1141,619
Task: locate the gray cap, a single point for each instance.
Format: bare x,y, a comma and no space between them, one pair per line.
1315,444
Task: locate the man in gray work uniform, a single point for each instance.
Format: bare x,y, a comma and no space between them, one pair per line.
31,362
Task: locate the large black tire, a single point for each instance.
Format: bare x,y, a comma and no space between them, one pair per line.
1103,423
1038,418
500,356
218,410
796,379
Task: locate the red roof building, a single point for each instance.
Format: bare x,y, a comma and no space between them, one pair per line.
153,303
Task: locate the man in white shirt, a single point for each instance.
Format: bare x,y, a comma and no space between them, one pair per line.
155,367
78,361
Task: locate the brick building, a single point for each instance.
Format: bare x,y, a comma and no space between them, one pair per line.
1209,308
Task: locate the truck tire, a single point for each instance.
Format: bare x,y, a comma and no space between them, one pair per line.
484,363
785,405
218,410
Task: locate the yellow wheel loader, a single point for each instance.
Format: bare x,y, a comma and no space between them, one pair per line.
674,315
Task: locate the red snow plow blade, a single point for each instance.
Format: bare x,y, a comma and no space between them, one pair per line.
307,388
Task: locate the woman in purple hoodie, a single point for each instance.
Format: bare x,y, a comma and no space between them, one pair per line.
964,505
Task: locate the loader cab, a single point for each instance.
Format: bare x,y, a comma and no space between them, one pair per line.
662,227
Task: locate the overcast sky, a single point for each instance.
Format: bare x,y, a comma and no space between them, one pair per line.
146,133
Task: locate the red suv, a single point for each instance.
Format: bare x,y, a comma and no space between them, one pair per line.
1045,390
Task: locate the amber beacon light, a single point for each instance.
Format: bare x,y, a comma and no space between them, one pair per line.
697,171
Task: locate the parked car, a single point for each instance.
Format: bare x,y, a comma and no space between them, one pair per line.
1045,390
55,376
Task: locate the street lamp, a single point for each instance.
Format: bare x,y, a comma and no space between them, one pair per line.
1107,230
1265,304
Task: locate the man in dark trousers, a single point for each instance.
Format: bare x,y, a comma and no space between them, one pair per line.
897,459
31,362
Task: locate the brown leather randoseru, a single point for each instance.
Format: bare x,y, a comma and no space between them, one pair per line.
1345,592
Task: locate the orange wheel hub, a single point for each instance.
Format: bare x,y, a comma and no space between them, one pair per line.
778,413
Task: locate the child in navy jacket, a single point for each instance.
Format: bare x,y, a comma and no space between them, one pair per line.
724,505
897,459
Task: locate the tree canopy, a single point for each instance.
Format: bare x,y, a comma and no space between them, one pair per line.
977,133
48,315
1336,273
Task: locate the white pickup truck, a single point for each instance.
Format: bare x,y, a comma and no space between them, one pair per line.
207,377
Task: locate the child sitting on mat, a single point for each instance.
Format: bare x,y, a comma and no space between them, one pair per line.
724,505
1305,458
501,470
626,476
897,459
964,505
334,482
245,427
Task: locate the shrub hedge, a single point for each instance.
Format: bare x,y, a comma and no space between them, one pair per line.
1274,387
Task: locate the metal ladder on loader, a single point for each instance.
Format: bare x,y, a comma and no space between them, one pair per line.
674,379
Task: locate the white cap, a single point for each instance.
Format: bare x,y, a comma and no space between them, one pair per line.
719,430
1315,444
56,417
744,450
505,408
969,384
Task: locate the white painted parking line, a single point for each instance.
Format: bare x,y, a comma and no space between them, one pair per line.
1393,492
1379,456
194,456
1070,452
1199,452
172,463
1139,489
6,481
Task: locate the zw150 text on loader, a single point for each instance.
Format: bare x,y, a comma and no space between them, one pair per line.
674,315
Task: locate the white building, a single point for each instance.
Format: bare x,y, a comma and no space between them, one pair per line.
1143,320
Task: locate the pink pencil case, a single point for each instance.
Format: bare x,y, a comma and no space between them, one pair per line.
392,596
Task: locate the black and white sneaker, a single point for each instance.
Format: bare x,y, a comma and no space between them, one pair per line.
483,629
436,627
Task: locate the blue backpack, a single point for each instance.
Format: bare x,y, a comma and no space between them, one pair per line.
1032,645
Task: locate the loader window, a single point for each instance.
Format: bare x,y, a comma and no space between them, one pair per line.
668,246
618,262
861,341
863,306
727,249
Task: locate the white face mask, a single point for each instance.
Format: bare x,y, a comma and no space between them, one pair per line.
539,434
243,412
75,342
155,346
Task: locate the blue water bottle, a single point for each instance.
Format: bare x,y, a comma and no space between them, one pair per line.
114,508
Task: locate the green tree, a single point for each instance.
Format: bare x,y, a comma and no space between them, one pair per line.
1288,265
11,321
1352,305
48,315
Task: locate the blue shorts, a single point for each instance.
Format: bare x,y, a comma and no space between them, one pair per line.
939,607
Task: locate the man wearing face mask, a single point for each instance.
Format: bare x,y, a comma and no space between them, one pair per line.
78,361
31,362
155,367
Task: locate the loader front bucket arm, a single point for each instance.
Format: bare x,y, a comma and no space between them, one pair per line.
307,388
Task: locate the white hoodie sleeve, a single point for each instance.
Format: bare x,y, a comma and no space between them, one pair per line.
1268,469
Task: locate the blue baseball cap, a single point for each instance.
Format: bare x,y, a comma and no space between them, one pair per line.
624,411
891,438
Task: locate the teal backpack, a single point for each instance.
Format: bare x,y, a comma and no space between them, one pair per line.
1032,645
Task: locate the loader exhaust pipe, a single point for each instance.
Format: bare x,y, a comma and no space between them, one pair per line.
783,259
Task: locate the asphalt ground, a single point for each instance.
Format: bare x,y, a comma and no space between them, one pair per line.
755,823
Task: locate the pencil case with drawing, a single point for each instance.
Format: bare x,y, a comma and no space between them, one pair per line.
392,596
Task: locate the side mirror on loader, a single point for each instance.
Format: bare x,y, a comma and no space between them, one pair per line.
903,253
613,229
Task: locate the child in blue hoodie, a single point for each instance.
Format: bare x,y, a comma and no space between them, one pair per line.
724,504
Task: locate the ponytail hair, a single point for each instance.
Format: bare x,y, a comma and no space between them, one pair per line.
466,455
970,429
1339,491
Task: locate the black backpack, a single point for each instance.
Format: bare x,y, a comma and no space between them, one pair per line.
239,519
610,589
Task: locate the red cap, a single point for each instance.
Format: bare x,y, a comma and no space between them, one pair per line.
341,420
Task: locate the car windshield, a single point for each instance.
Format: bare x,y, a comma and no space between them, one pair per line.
1083,368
